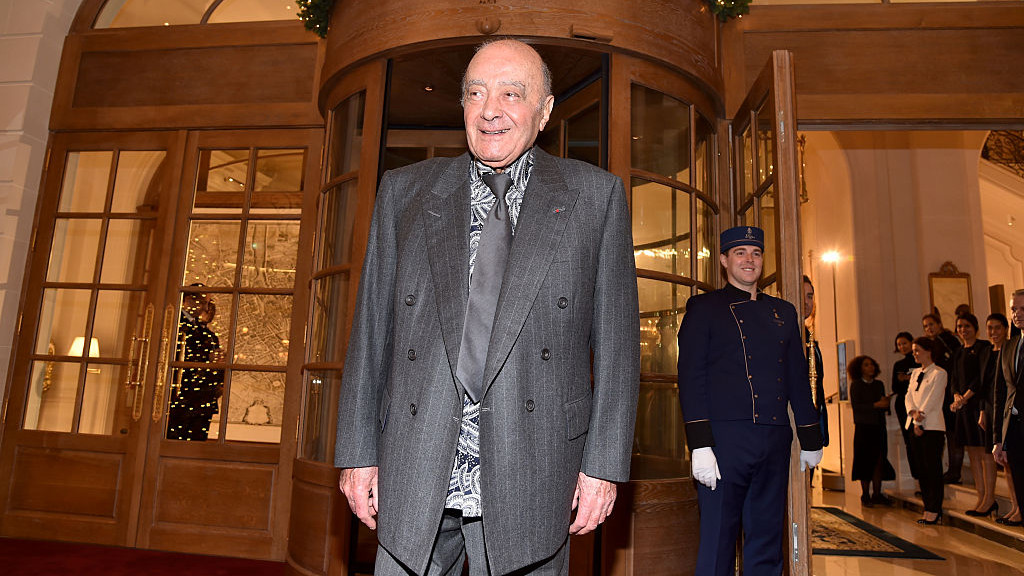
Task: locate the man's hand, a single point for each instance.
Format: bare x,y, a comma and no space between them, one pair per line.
704,467
360,488
809,458
593,503
999,455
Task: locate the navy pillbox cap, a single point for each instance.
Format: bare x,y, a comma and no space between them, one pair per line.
742,236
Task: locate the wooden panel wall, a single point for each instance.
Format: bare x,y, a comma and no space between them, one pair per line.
889,64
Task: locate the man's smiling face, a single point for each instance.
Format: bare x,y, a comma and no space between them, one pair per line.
504,102
743,266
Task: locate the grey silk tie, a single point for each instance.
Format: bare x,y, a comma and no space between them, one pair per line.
491,254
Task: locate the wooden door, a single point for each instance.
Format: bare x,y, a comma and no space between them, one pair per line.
222,427
76,424
767,194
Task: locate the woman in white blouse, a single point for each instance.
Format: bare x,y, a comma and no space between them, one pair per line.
925,395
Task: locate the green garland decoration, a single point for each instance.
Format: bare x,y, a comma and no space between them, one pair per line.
726,9
315,14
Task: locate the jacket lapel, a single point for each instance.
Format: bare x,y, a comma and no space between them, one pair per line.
547,206
446,223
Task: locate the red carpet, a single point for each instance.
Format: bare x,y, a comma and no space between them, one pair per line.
41,558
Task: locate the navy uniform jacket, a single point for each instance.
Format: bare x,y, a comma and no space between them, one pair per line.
743,359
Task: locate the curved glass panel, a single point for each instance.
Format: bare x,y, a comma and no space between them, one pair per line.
660,134
346,135
337,221
661,227
318,425
706,246
330,319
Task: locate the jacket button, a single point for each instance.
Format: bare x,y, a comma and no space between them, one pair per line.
545,354
529,405
773,418
755,396
412,409
412,354
410,299
563,302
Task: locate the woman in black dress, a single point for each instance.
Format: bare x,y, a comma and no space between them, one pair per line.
870,444
900,381
968,389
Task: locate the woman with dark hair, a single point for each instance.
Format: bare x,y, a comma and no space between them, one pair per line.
870,446
968,388
924,413
900,380
991,420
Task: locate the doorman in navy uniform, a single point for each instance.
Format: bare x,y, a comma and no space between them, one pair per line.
741,366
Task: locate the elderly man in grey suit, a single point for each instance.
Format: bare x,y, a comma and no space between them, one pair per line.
491,380
1010,452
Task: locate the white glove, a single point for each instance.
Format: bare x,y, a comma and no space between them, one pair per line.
809,459
704,467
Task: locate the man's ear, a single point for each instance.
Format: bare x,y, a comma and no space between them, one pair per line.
724,260
546,107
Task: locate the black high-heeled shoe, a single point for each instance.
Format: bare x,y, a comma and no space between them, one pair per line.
1005,521
930,522
991,510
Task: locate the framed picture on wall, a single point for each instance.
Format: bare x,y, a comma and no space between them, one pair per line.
947,289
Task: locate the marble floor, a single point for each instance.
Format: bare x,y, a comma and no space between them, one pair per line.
965,554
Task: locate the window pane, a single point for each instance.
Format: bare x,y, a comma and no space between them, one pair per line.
337,217
212,253
330,318
73,252
103,384
765,134
583,135
61,320
318,426
253,11
707,246
704,165
767,223
124,257
85,182
661,227
278,181
51,397
262,329
661,308
221,180
660,134
256,406
346,135
746,174
659,449
111,329
270,254
134,179
129,13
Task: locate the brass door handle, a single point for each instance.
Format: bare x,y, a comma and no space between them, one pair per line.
138,366
164,363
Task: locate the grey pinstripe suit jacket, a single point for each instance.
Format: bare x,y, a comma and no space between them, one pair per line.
569,289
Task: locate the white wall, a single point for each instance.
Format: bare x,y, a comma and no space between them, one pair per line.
1002,209
31,39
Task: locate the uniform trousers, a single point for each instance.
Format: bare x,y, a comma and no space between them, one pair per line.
1014,446
928,451
754,462
459,538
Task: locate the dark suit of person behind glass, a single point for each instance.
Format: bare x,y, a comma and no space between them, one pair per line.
741,367
1012,435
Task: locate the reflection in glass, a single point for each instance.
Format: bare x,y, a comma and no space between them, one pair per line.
61,320
51,396
280,170
133,181
583,135
73,252
262,329
85,181
271,249
110,327
318,427
703,164
399,156
661,308
256,406
707,259
124,259
212,252
337,218
659,448
253,11
195,390
765,162
346,135
329,319
746,175
221,180
767,223
135,13
660,134
103,384
661,227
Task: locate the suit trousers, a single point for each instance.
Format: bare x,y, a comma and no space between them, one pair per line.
928,451
754,462
1014,446
459,538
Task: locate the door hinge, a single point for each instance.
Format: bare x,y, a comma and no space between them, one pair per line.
796,543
